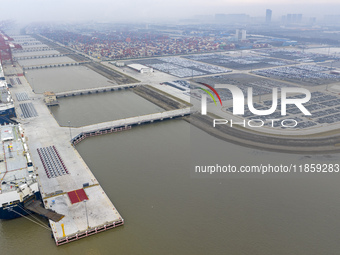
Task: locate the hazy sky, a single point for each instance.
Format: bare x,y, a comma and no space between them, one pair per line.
149,10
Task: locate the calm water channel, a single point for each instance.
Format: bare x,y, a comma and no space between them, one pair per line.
147,173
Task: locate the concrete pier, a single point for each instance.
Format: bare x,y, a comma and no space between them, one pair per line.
38,56
80,92
44,48
75,194
125,124
54,65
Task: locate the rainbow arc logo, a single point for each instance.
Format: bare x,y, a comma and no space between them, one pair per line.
239,99
209,93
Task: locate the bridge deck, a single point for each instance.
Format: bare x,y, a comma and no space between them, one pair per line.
97,90
124,124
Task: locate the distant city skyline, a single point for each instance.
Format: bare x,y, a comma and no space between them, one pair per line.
152,10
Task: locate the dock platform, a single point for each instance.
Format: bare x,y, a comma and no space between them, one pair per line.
88,211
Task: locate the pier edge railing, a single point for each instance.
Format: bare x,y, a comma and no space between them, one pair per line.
128,123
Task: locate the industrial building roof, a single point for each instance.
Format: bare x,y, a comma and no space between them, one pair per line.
138,67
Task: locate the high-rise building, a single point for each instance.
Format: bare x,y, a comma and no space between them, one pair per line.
312,21
299,18
289,18
237,34
241,35
293,18
268,15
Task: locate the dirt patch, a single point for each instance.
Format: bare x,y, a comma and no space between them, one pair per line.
159,98
111,74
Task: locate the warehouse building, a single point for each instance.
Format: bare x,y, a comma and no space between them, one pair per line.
141,68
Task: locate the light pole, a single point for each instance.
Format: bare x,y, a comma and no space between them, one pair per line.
69,126
87,218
